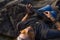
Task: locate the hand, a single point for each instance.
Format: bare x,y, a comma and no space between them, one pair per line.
48,14
28,7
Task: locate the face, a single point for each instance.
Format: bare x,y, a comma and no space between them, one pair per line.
27,34
23,37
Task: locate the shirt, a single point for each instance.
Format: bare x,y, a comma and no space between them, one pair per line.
42,31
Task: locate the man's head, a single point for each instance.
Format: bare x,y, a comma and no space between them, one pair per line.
27,33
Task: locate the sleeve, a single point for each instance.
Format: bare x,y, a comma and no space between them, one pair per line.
45,32
53,33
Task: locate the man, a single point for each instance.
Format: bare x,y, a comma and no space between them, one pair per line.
41,30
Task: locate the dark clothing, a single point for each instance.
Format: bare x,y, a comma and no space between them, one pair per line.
42,31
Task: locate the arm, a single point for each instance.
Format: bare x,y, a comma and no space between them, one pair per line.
25,17
48,33
28,7
52,33
53,20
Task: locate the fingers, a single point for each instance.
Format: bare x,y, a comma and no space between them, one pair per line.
28,6
48,14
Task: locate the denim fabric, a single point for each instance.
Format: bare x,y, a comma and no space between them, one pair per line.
53,33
